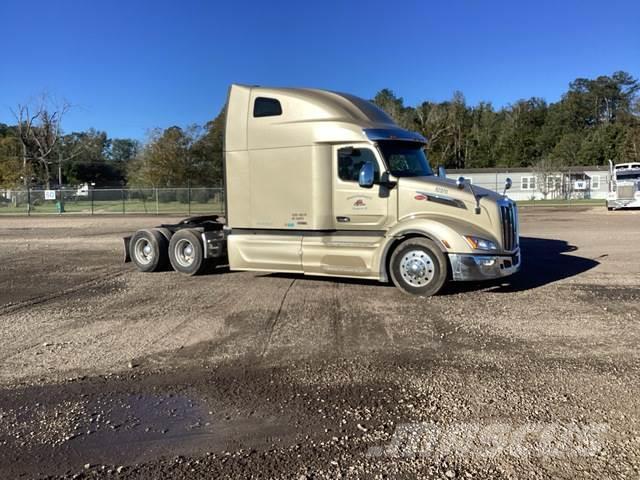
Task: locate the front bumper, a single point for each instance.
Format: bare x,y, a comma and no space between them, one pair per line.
469,267
626,203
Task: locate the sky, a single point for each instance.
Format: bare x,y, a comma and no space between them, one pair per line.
129,66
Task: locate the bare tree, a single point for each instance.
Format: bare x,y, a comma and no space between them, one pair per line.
39,125
550,173
545,172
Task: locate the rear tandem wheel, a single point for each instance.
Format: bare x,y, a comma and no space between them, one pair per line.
148,250
186,252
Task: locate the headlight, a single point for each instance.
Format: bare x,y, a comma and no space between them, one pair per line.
478,243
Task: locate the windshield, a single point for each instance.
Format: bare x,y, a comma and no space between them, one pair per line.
628,176
405,159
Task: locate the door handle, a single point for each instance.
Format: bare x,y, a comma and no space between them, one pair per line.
343,219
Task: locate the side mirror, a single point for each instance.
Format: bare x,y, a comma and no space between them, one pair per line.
507,185
442,172
460,182
365,177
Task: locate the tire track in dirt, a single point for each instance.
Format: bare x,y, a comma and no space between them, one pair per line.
159,347
272,324
16,307
192,327
337,323
43,300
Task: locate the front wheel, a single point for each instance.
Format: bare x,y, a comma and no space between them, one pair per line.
186,252
418,267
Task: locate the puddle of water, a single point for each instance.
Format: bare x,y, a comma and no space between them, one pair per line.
129,429
143,427
132,425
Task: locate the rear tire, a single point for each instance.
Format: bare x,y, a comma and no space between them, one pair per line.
418,267
148,250
186,252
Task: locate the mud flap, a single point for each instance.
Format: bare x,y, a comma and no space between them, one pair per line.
127,256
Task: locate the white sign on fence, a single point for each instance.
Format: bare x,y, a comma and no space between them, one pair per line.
49,194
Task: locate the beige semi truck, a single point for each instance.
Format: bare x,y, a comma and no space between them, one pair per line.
325,183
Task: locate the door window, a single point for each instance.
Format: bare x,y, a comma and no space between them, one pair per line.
351,160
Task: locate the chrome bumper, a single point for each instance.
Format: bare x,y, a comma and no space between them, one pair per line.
467,267
626,203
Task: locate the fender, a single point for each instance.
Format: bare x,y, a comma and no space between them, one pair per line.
446,232
166,233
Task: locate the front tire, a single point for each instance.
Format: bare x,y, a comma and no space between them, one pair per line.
418,267
186,252
148,250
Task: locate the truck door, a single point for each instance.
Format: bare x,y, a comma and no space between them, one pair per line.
354,207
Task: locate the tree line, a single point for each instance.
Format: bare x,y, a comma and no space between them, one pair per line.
35,152
594,121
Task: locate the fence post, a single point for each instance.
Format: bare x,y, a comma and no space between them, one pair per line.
91,198
122,190
189,197
28,200
157,206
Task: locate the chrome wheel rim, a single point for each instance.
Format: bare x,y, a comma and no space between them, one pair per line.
143,250
417,268
184,252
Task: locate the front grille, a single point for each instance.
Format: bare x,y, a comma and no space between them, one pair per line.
626,191
509,227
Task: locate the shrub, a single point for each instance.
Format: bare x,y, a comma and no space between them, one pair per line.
182,195
200,195
166,196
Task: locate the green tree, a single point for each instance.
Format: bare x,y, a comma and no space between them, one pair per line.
518,142
10,165
86,158
595,120
167,159
566,151
208,149
123,150
603,144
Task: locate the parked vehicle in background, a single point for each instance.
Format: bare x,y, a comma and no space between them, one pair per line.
325,183
83,191
624,186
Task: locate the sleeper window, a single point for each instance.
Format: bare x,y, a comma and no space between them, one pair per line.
266,107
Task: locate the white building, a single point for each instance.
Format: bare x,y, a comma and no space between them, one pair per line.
529,184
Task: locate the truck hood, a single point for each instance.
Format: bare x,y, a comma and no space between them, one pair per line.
435,197
445,187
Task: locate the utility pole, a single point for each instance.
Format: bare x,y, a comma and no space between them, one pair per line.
60,170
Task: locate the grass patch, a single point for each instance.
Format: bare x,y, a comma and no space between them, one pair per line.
116,207
582,202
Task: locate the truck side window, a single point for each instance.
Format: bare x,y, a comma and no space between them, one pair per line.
350,161
266,107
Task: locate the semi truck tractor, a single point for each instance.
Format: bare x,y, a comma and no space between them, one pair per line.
624,186
325,183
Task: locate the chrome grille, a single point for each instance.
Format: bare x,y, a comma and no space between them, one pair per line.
626,191
509,227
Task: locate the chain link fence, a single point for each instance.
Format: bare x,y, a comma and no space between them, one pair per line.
527,189
121,201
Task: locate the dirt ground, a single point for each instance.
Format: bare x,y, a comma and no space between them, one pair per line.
108,372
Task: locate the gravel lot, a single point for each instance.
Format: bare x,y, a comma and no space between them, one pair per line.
108,372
